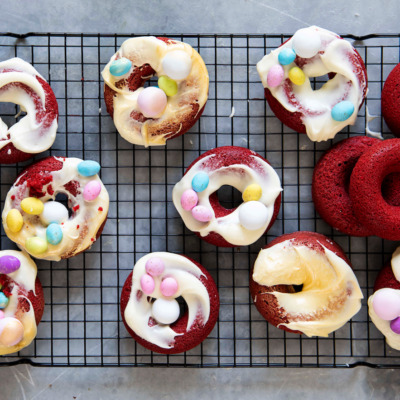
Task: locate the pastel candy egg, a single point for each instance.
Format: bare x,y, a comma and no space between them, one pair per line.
253,215
275,75
342,111
169,286
120,67
11,331
2,315
14,220
386,304
91,190
200,181
286,56
296,75
54,211
202,213
306,43
177,64
54,234
189,199
3,300
32,206
167,84
88,168
165,311
152,102
155,266
252,192
147,284
36,245
395,325
9,264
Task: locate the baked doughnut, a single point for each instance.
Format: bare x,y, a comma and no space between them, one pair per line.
151,312
311,53
196,199
44,228
329,293
21,301
390,101
150,116
384,304
21,84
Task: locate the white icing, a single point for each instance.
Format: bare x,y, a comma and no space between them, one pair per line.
239,176
325,277
368,119
88,217
317,104
27,135
150,50
138,311
25,278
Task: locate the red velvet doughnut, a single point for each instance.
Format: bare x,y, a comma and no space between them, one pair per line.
390,101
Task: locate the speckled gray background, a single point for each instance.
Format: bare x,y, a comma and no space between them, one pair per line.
235,16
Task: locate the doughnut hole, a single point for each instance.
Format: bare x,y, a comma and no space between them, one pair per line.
64,200
183,310
391,189
225,200
319,81
11,113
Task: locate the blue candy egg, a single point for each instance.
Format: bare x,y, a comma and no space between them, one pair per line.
200,181
286,56
88,168
3,300
342,111
120,67
54,234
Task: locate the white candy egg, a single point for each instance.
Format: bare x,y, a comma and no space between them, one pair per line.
54,212
253,215
177,64
165,311
306,42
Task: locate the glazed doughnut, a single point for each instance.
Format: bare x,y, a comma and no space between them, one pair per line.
365,189
44,228
384,304
390,101
21,301
286,72
196,200
21,84
329,296
150,116
150,311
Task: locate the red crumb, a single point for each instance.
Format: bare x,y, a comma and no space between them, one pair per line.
77,227
13,197
76,208
100,208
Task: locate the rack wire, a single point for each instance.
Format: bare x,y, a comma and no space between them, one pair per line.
81,325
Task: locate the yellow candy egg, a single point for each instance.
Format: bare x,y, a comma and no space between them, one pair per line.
32,206
296,75
36,245
14,220
167,84
253,192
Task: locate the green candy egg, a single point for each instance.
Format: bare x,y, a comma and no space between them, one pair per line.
168,85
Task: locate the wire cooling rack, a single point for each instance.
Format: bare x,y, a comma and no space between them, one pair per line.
81,325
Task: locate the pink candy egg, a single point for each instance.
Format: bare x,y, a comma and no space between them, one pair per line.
155,266
202,214
386,304
92,190
169,286
189,199
275,75
147,284
152,102
11,331
1,314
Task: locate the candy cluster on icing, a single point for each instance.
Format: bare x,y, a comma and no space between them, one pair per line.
310,53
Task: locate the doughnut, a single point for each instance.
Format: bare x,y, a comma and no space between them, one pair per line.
21,301
302,282
196,199
384,304
21,84
370,207
390,101
45,227
152,115
149,303
311,53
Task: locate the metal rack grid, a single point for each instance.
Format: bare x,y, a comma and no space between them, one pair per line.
81,325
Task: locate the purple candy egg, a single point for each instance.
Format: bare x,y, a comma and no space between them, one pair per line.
395,325
9,264
202,213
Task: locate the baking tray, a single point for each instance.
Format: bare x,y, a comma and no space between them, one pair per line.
81,325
